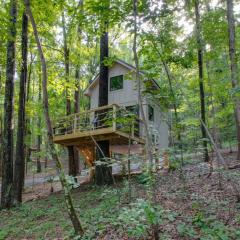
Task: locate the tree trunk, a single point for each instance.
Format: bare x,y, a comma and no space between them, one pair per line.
1,143
103,172
27,127
233,64
39,136
7,166
68,199
76,110
170,79
19,168
139,89
1,129
71,153
201,86
215,129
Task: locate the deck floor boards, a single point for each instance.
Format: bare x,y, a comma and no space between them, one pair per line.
86,137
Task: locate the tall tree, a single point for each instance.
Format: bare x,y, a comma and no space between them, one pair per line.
7,165
19,168
140,85
233,65
76,110
68,198
103,172
71,155
39,123
200,72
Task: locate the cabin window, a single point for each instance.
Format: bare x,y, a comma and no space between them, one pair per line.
116,83
150,113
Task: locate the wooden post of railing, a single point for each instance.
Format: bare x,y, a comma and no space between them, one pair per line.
114,117
74,124
132,127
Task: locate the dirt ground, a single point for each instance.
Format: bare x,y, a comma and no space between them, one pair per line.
192,203
38,185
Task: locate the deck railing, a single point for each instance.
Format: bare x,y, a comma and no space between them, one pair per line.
112,116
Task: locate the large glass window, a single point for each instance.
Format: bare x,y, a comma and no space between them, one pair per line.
150,113
116,83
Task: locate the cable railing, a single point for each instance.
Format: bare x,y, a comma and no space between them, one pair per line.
111,117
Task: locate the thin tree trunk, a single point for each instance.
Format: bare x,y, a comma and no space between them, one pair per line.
139,89
201,85
233,65
19,168
213,109
170,79
39,136
140,100
68,199
7,166
76,110
71,156
28,120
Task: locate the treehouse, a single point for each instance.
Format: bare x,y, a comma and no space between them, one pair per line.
120,122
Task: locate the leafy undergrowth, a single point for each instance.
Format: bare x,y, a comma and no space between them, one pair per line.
189,206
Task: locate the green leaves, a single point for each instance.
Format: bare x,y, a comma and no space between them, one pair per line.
139,218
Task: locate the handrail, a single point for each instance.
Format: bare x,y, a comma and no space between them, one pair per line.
91,119
89,111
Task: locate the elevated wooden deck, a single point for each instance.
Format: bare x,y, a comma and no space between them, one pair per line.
110,122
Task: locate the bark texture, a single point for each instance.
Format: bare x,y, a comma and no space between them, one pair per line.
39,136
7,165
103,172
19,168
72,168
68,199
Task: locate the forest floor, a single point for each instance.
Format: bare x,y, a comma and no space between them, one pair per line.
190,204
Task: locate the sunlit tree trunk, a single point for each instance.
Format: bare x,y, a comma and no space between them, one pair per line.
71,160
27,133
39,136
233,65
201,85
145,123
7,165
19,168
68,199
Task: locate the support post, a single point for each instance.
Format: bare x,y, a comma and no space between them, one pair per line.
114,117
74,124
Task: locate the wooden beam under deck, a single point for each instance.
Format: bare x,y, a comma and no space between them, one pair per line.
115,137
